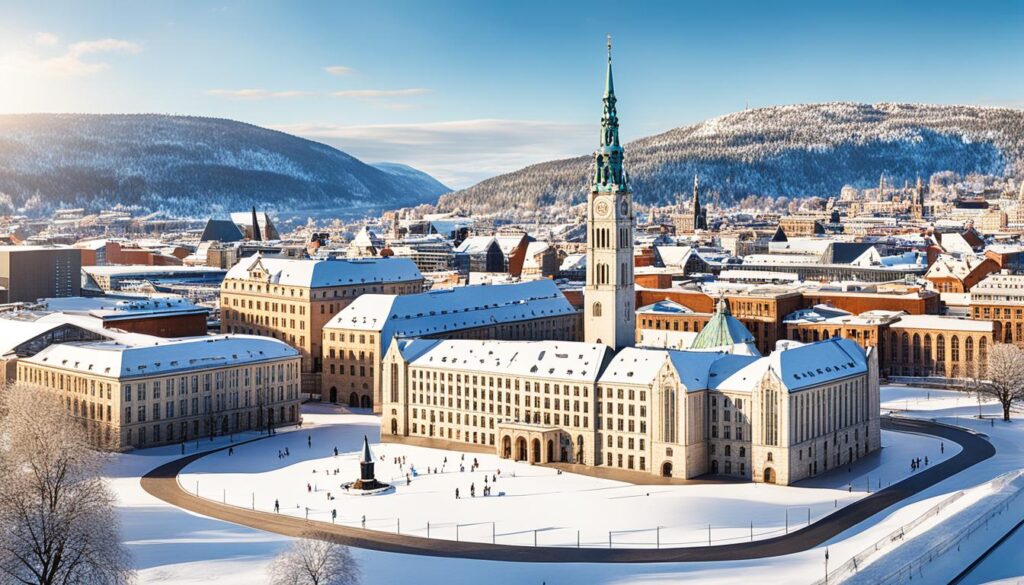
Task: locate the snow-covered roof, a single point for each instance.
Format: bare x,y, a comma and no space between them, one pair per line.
665,306
113,307
574,262
463,307
570,361
146,356
143,270
818,363
949,266
817,314
475,245
367,238
329,272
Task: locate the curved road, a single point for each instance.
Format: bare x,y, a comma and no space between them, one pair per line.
162,483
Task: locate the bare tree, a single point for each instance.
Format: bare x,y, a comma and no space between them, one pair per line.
57,520
1005,376
315,560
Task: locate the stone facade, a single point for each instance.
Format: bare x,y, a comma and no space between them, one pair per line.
292,300
171,398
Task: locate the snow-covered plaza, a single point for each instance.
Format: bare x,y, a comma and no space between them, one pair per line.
529,505
174,546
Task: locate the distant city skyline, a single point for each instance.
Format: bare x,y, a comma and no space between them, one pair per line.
466,90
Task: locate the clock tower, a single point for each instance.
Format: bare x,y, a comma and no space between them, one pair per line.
609,295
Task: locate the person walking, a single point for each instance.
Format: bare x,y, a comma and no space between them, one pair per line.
456,493
364,520
309,441
231,451
334,515
277,507
335,451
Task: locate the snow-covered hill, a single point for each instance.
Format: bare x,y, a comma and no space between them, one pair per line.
405,171
186,166
798,150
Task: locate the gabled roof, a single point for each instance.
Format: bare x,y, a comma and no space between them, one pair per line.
331,272
454,309
813,364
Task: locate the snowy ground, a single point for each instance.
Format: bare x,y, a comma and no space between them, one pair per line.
527,501
173,546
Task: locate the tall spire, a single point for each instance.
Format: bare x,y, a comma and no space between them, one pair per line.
609,85
608,175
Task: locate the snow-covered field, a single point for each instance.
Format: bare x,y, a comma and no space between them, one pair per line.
174,546
527,502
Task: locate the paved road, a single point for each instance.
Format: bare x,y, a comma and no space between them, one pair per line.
162,483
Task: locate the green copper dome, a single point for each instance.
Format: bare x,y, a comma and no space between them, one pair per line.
723,330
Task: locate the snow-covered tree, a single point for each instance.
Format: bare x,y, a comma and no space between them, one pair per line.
57,521
315,560
1004,376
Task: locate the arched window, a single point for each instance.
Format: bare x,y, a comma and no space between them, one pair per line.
917,351
668,414
982,356
969,349
905,351
927,355
954,349
940,348
597,309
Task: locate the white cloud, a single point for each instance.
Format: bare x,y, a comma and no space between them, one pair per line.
366,94
339,70
73,62
257,94
46,39
458,153
379,93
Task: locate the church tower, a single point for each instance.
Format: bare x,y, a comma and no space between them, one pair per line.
609,295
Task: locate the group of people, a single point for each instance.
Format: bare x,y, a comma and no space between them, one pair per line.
915,464
282,454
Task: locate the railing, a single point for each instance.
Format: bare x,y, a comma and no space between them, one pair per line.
947,542
897,536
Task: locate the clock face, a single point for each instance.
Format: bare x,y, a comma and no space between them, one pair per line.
624,208
602,208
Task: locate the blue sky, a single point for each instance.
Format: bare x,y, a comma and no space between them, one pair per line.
468,89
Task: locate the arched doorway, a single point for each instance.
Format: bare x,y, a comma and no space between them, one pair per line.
536,451
353,400
551,450
506,447
714,466
565,455
769,475
224,425
666,469
367,402
521,449
394,426
334,394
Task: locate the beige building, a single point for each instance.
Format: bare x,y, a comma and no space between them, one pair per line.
355,340
778,419
141,391
292,300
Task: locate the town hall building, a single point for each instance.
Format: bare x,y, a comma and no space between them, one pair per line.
718,407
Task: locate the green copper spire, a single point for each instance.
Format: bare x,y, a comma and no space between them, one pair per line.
609,175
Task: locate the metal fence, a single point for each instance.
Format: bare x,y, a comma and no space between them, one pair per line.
897,537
